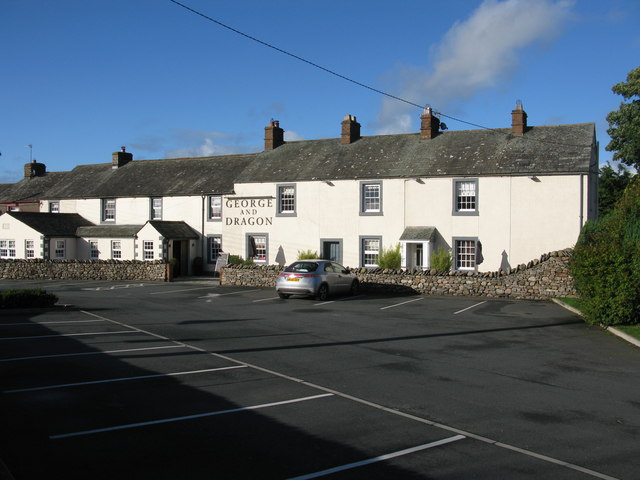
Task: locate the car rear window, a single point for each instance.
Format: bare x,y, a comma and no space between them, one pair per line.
303,267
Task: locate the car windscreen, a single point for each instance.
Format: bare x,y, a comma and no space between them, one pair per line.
302,267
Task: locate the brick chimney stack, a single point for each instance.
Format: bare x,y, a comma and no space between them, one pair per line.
121,158
273,135
518,120
429,125
350,130
34,169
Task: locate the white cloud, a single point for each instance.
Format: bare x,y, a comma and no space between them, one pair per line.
291,136
475,54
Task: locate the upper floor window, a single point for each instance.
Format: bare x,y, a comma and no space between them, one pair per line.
61,249
156,208
370,198
286,200
29,249
108,209
13,208
7,249
215,207
465,197
54,207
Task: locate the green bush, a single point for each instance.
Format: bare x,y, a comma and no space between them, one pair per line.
390,258
441,260
307,254
238,260
606,263
26,298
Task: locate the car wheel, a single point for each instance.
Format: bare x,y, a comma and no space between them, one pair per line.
323,292
283,295
355,288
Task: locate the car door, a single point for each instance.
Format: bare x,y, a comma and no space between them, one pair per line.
343,281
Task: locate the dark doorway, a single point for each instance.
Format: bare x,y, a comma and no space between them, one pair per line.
332,250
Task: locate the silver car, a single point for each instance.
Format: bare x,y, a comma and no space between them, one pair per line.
318,278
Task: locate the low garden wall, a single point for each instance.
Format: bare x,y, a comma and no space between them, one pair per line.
540,279
38,269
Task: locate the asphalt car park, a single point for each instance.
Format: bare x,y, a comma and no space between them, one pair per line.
194,380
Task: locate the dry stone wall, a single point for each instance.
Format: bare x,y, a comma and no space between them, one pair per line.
39,269
541,279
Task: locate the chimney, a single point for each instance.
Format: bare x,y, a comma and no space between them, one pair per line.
121,158
34,169
429,125
350,130
273,135
518,120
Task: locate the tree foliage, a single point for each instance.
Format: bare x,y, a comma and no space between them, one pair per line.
441,260
624,123
390,257
611,186
606,263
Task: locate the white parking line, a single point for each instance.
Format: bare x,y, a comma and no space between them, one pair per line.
266,299
68,335
182,290
64,322
380,458
188,417
324,303
469,308
402,303
126,350
123,379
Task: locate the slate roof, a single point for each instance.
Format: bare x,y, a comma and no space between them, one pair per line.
563,149
418,233
52,224
108,231
175,230
33,188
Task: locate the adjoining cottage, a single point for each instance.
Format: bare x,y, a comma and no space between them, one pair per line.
494,198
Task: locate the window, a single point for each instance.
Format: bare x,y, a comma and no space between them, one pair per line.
29,249
13,208
371,198
370,250
156,209
54,207
7,249
94,253
215,207
61,250
286,200
215,247
465,253
257,247
116,249
109,210
465,197
147,250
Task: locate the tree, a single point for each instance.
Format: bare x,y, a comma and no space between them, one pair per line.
611,187
624,123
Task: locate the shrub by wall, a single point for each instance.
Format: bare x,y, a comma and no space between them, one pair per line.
541,279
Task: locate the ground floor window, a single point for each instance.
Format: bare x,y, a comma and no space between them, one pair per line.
215,247
370,251
116,249
7,249
61,249
147,250
29,249
465,254
94,252
257,247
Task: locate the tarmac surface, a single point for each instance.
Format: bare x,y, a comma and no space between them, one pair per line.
193,380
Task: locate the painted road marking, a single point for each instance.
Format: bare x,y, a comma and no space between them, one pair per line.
69,335
380,458
469,308
188,417
64,322
402,303
126,350
122,379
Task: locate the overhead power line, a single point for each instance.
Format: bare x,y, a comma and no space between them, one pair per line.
348,79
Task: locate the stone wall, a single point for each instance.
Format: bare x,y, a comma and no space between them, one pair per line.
38,269
541,279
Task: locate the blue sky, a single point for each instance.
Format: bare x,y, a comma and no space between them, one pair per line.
80,79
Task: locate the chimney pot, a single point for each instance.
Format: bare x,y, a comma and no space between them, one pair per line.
273,135
121,158
350,130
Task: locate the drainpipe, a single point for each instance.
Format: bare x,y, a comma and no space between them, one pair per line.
202,253
581,201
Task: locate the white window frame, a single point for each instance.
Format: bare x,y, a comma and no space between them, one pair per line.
108,210
214,248
7,248
116,249
29,249
148,250
286,200
465,251
60,250
370,198
215,208
262,247
94,250
156,208
368,253
465,196
54,207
